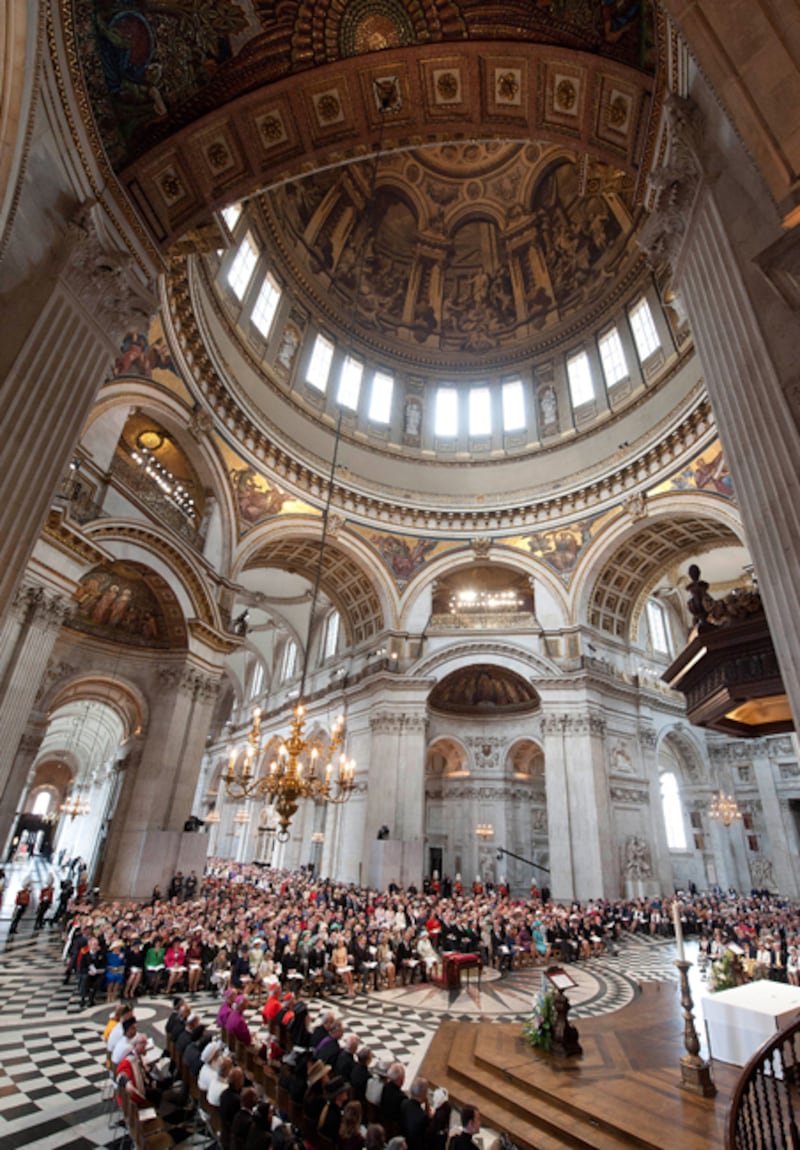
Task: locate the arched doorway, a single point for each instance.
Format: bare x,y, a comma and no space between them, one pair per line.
484,777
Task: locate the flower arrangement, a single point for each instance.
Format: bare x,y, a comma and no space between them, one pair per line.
538,1029
722,976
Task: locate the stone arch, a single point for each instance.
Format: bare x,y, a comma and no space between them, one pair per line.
446,755
156,548
453,561
625,562
456,656
351,579
192,430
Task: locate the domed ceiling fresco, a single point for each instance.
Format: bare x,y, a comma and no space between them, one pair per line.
466,249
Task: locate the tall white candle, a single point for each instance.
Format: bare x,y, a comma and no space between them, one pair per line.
676,919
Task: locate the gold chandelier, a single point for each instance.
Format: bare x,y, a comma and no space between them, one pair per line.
75,806
294,773
484,831
725,808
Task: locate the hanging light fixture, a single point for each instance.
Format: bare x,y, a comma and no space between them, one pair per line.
725,808
296,771
75,806
484,831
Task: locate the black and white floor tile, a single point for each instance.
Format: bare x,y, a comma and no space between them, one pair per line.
51,1051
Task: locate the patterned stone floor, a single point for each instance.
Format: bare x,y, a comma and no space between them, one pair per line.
51,1053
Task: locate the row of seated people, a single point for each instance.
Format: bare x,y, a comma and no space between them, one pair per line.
253,1095
317,1069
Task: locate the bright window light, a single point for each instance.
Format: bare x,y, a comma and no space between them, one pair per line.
42,804
231,215
657,622
581,388
320,366
257,682
350,382
446,413
644,330
612,357
331,635
241,270
289,660
513,406
266,305
480,411
673,815
380,400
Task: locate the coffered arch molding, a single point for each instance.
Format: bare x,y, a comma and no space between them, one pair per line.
352,576
624,562
415,610
284,103
159,549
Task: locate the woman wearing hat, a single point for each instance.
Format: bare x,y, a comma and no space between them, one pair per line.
115,969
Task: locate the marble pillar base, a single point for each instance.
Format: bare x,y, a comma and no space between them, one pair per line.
149,857
394,860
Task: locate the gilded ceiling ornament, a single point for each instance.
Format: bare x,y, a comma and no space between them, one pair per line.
447,85
171,187
271,128
481,546
328,108
218,156
507,87
566,95
618,111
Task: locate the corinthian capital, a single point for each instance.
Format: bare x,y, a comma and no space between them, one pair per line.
103,277
675,185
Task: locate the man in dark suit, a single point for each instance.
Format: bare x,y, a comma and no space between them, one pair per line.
393,1096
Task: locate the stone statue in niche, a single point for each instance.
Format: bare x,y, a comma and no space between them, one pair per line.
412,419
637,863
290,342
548,405
621,762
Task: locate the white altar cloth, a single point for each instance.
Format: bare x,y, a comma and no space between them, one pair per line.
739,1020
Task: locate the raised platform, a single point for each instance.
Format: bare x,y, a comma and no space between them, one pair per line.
623,1092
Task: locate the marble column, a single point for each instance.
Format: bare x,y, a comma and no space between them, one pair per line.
708,213
26,642
784,862
555,730
648,744
582,844
146,838
396,786
20,778
88,296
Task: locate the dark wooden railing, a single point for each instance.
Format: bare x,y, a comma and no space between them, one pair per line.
765,1110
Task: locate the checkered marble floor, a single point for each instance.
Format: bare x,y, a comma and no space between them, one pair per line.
51,1051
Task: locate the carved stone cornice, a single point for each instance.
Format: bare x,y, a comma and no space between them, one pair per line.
68,538
674,186
105,279
569,724
215,640
637,796
487,794
200,686
393,723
